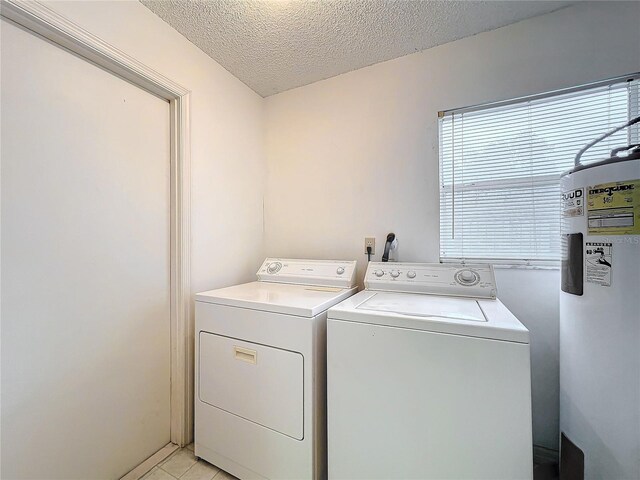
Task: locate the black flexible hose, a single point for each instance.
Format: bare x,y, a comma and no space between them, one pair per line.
390,238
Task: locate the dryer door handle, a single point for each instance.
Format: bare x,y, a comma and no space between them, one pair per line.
245,354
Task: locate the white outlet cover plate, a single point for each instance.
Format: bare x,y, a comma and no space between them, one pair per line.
370,241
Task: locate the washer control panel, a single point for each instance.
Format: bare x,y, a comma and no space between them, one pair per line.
462,280
327,273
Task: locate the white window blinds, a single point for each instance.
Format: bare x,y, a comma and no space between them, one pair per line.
500,169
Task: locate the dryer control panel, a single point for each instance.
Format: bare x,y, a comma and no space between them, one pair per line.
459,280
326,273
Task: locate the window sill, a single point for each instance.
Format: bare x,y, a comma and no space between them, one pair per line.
525,267
505,264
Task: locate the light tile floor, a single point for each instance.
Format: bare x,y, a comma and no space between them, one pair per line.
184,465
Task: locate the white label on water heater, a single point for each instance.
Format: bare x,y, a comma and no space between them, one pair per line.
599,263
573,203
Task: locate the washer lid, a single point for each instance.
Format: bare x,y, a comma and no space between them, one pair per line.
437,308
482,318
300,300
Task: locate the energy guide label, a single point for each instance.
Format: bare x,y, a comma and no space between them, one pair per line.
614,208
573,203
599,263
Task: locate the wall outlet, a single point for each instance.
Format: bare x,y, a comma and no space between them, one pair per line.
370,242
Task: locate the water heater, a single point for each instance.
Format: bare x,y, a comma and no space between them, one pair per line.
600,318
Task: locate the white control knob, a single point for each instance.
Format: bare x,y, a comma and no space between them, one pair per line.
395,273
274,267
411,274
340,270
379,273
467,277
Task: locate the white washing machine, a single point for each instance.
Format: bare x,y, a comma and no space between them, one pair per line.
260,379
428,378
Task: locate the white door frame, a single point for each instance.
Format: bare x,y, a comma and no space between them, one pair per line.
43,21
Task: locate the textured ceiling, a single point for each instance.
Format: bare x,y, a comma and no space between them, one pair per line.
275,45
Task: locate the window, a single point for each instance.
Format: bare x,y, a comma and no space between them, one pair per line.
500,169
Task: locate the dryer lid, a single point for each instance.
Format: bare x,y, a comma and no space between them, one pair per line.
300,300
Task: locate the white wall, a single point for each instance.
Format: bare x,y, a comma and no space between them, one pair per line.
356,154
227,141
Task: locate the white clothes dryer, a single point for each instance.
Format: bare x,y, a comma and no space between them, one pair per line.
428,378
260,376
